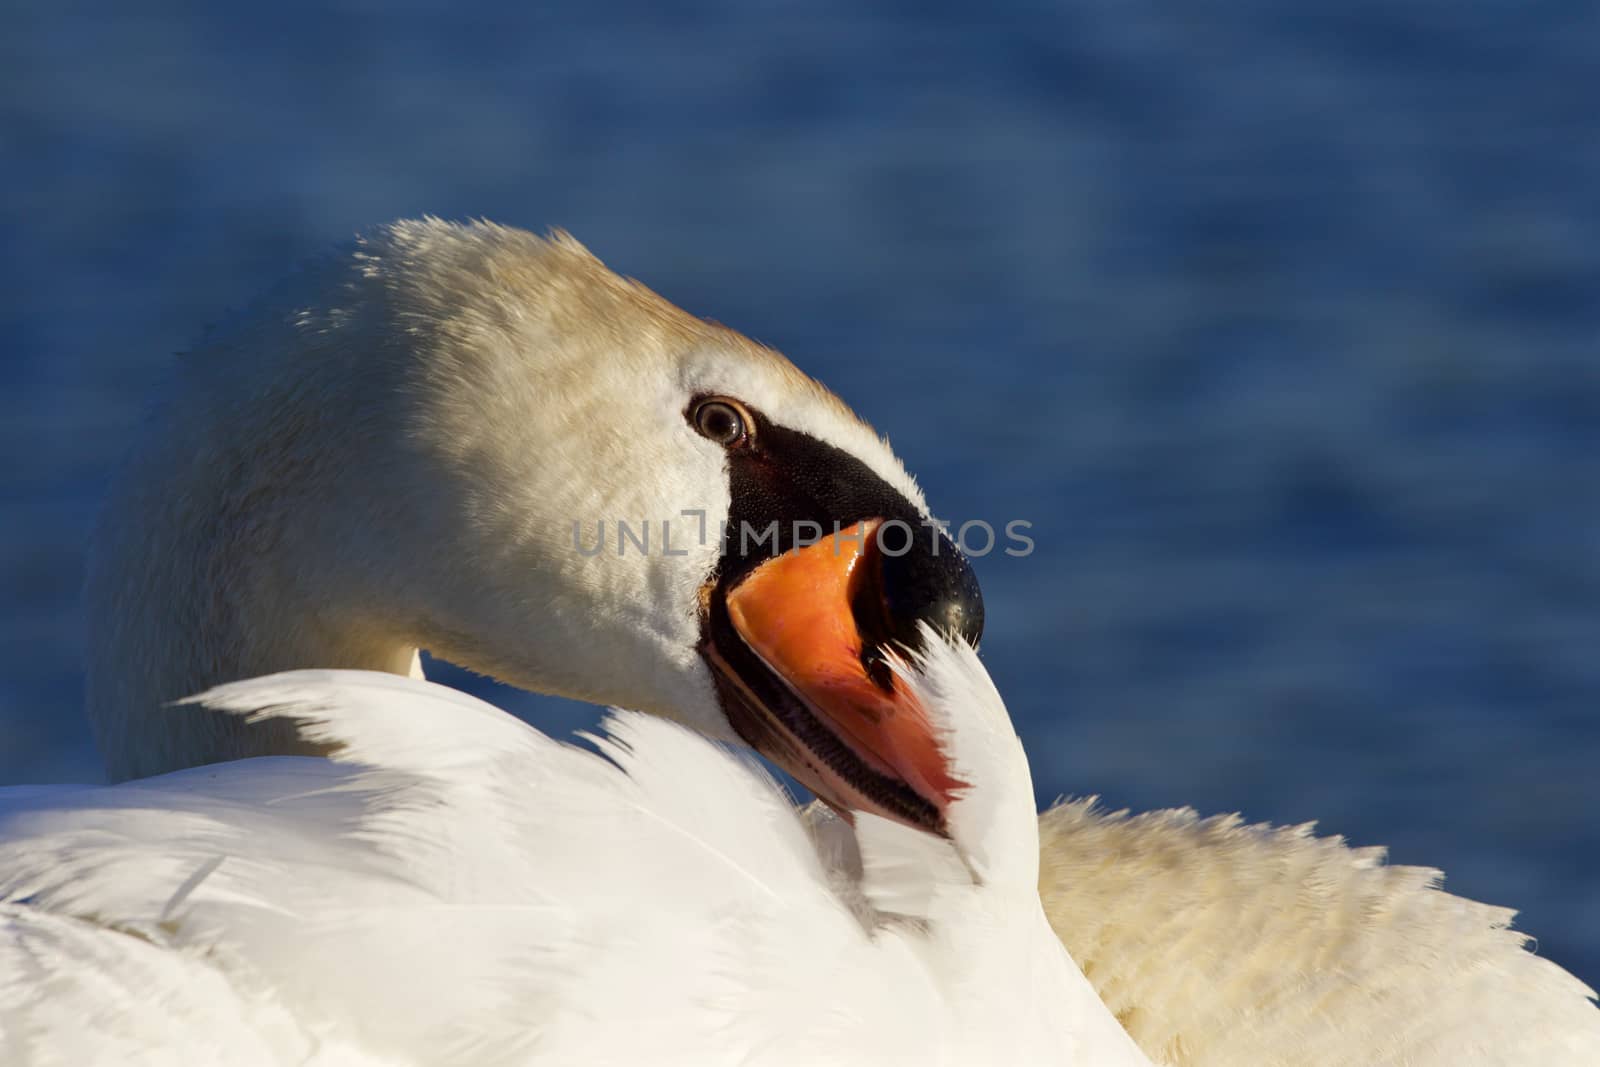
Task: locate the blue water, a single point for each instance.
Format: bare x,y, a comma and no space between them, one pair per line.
1280,322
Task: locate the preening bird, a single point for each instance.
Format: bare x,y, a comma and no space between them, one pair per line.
471,440
454,887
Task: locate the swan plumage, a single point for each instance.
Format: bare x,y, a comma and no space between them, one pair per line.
1220,944
453,886
387,453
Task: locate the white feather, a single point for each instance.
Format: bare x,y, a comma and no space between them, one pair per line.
389,452
1221,944
455,887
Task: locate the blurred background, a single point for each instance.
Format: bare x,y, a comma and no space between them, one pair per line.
1281,324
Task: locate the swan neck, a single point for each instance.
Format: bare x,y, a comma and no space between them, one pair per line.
256,529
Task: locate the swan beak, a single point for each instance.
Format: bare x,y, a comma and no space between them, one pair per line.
802,613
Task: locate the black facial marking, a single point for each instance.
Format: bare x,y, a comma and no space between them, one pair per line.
789,477
787,489
931,583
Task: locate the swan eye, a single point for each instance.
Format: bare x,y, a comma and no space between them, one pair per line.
721,421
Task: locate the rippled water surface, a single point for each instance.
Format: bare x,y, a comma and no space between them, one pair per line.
1280,322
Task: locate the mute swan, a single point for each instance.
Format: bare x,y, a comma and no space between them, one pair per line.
437,895
436,440
390,453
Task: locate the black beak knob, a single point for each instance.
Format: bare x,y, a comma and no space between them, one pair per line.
916,575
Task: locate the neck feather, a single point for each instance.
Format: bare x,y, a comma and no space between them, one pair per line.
239,541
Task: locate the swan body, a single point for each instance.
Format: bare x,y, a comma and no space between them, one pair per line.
1222,944
390,453
455,887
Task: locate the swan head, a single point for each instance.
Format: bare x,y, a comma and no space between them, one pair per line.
722,539
476,441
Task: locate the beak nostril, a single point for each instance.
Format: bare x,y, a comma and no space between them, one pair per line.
876,665
872,617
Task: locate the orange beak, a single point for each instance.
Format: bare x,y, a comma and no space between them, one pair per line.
794,612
